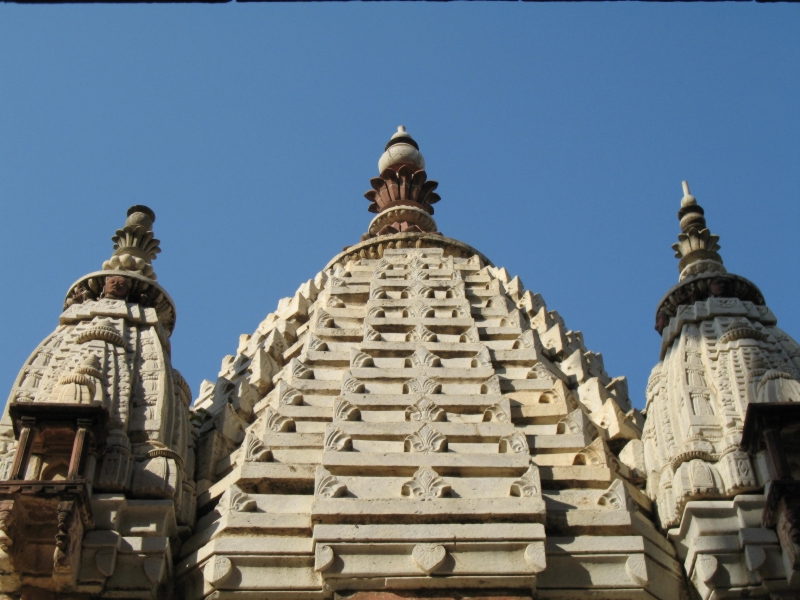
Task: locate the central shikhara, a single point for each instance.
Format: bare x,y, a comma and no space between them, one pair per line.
412,421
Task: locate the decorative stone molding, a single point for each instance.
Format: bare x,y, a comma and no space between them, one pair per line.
495,413
426,439
360,359
323,558
535,557
422,357
422,385
235,500
277,422
328,486
429,557
426,485
515,442
336,440
425,410
344,411
255,450
529,485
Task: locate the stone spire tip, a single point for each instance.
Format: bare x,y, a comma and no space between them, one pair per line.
688,199
697,247
135,246
402,194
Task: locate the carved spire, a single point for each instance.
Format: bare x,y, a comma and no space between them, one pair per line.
135,247
697,246
701,272
128,275
402,195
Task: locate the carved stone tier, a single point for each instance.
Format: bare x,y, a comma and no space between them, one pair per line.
375,247
416,421
143,291
701,287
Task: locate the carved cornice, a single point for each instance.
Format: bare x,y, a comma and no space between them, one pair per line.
703,286
374,247
143,291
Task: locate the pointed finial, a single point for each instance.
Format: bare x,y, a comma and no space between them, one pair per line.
687,199
402,194
697,246
401,149
135,247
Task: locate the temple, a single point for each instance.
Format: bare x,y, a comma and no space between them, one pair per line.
412,423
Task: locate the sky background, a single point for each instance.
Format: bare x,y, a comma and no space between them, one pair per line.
559,133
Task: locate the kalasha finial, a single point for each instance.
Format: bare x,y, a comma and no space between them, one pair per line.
135,247
697,246
402,194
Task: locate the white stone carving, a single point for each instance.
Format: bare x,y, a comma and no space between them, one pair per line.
277,422
360,359
255,450
515,442
482,358
325,320
323,558
636,567
426,485
425,409
217,569
235,500
422,357
420,333
535,557
495,413
371,334
428,557
529,485
351,385
426,439
471,335
422,385
315,344
336,440
328,486
491,386
539,371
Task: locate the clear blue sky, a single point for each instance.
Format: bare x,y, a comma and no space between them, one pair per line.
559,134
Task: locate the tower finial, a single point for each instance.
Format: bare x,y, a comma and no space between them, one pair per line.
135,247
687,199
128,275
402,194
697,246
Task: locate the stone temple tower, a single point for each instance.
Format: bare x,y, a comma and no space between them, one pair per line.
412,423
414,420
99,462
722,358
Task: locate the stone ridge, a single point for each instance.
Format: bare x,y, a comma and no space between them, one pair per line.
414,419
